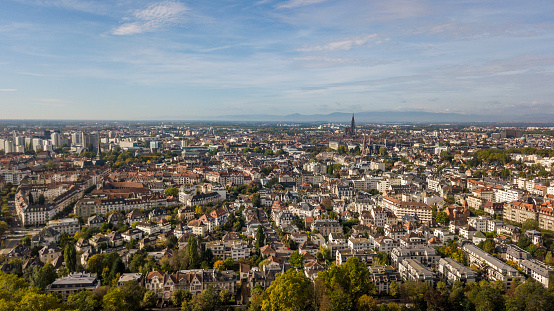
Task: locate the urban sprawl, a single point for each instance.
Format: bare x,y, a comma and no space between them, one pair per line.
191,216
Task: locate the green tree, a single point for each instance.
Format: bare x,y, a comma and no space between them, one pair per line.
70,257
171,192
290,291
224,297
150,299
179,296
530,296
260,237
256,200
192,250
296,259
130,291
83,301
441,217
530,224
208,300
394,289
115,301
41,199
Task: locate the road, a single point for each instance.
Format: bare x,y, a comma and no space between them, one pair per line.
272,239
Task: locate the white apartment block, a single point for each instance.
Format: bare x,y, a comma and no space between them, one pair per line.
67,225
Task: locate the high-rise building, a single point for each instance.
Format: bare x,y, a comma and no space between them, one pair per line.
55,138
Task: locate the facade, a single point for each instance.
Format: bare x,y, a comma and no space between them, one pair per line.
326,226
400,208
413,270
67,225
494,268
451,271
73,283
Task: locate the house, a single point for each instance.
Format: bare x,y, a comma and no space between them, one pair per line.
359,244
220,216
425,255
267,251
413,270
148,228
126,277
135,216
467,231
479,237
382,277
82,245
365,256
157,214
132,234
299,237
73,283
147,241
116,218
337,237
326,226
197,227
49,252
451,271
186,213
67,225
115,239
96,221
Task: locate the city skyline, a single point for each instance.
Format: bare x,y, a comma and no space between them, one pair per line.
126,60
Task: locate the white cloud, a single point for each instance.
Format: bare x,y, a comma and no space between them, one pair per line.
8,90
298,3
154,17
344,43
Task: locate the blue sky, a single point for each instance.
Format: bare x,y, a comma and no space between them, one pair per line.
139,59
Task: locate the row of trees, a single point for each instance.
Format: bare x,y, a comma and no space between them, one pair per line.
348,288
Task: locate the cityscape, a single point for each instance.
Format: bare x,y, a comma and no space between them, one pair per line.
276,155
314,216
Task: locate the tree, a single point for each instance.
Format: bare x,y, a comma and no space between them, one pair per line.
70,257
34,300
530,224
290,291
224,297
150,299
229,263
530,296
367,303
179,296
256,200
83,301
114,301
3,227
130,291
41,199
192,250
208,300
50,164
171,192
296,260
219,265
441,217
523,241
260,237
394,289
486,296
31,199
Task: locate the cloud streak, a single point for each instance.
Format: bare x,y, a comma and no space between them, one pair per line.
298,3
344,44
8,90
155,17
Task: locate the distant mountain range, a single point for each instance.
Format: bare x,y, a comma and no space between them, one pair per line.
381,117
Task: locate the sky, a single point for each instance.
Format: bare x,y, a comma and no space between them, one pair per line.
180,60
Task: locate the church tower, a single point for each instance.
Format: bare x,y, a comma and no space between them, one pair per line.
353,126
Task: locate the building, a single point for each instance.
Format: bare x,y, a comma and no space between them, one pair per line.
425,255
538,270
400,208
493,268
382,277
326,226
451,271
413,270
67,225
73,283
